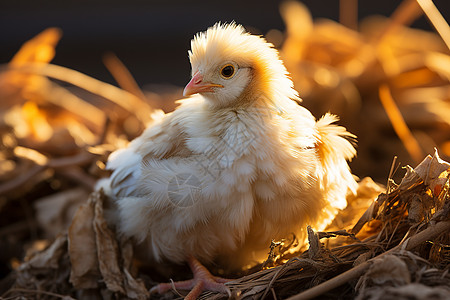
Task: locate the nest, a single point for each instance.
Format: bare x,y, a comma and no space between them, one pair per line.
58,127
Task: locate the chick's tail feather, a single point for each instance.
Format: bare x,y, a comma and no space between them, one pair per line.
335,146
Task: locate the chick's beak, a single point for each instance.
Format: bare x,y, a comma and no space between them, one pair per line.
197,85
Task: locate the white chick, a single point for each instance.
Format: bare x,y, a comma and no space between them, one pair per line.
237,164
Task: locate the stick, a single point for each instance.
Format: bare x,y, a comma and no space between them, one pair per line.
20,180
348,13
391,173
404,15
122,75
436,19
55,163
399,124
126,100
427,234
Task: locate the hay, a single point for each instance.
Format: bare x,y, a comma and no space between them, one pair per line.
385,81
58,126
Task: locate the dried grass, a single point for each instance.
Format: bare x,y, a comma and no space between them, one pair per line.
58,126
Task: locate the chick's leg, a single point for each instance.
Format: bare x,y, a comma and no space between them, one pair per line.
203,281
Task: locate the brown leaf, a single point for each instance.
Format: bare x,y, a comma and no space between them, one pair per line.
126,249
416,211
97,256
135,287
412,291
49,258
115,259
431,167
314,243
82,247
107,250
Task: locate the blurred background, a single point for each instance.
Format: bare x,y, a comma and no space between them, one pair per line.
151,37
338,59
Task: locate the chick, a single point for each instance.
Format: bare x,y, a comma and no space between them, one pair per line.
237,164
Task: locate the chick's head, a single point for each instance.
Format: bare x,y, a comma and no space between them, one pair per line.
231,66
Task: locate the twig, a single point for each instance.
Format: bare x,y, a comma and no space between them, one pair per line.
102,136
405,14
17,227
277,274
64,162
74,160
273,294
122,75
64,98
77,174
122,98
393,232
348,13
172,283
427,234
391,172
331,234
436,19
36,292
21,180
399,124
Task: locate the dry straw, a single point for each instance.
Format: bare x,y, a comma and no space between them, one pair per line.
390,84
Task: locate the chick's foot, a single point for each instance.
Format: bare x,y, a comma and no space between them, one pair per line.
203,281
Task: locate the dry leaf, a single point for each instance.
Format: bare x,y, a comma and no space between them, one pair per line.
84,273
387,270
430,169
49,258
135,288
314,243
107,250
54,213
96,255
114,273
413,291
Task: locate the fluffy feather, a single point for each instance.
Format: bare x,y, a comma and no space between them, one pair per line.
232,168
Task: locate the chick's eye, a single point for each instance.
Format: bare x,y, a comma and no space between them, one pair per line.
227,71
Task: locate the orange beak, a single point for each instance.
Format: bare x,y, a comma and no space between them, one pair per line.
196,85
